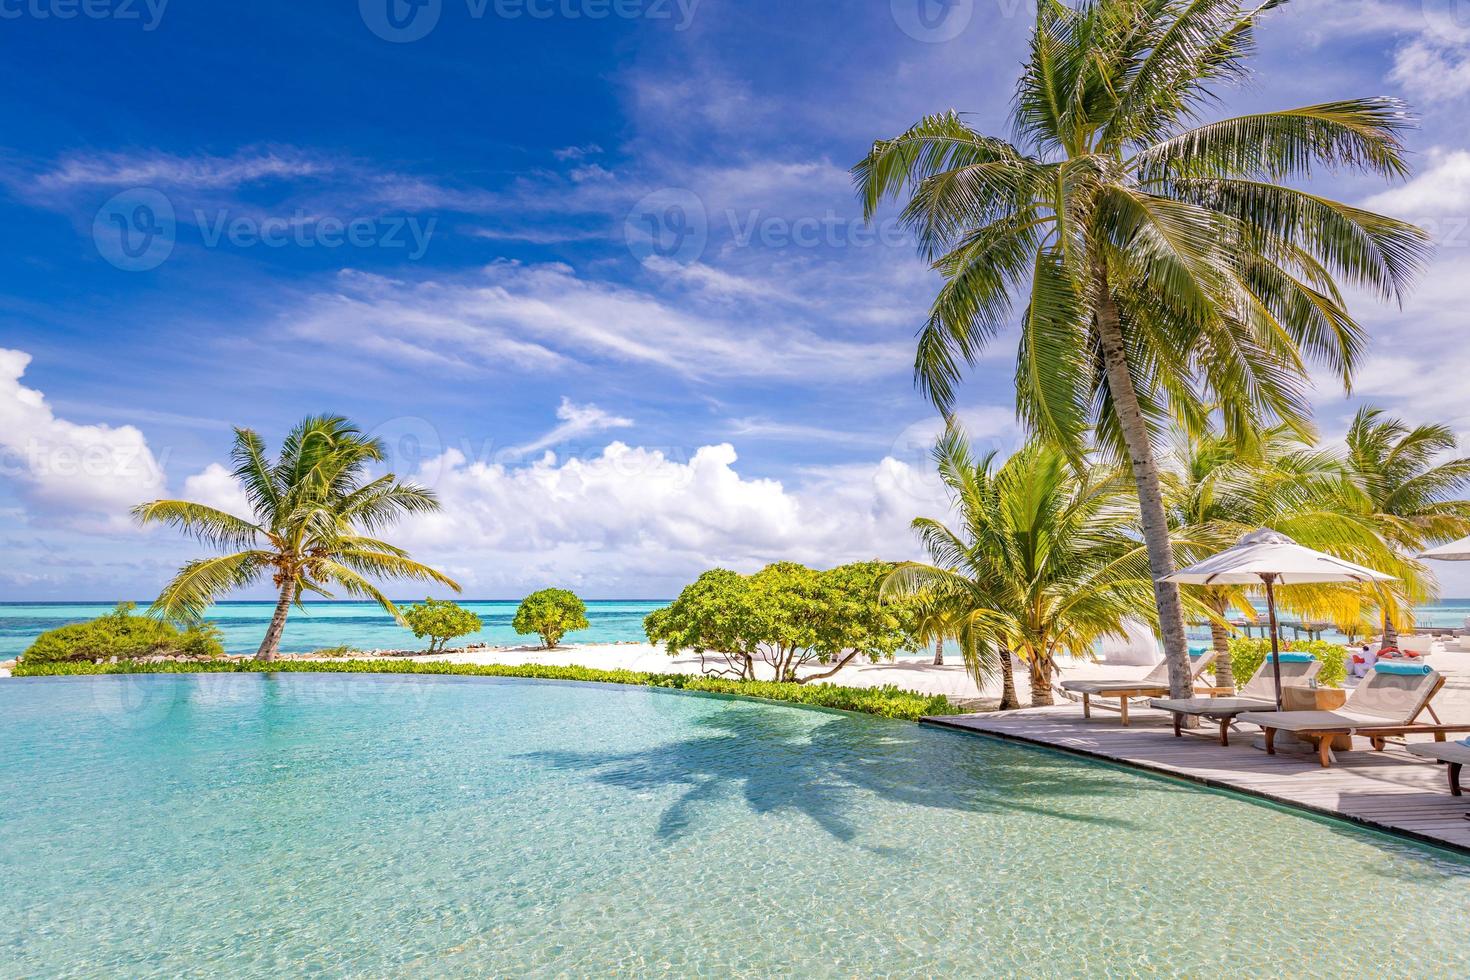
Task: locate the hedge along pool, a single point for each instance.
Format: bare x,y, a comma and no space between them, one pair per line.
386,824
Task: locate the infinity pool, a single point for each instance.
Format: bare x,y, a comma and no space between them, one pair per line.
366,825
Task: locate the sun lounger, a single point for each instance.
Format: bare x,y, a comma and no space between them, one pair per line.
1453,754
1387,703
1258,694
1152,685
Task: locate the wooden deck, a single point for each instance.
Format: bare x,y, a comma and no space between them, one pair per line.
1390,791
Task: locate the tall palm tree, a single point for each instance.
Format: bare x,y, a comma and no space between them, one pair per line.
1215,492
314,511
1168,268
1410,488
1043,562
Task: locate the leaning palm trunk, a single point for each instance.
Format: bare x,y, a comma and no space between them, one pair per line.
939,652
1390,632
1041,696
1220,637
1155,521
270,647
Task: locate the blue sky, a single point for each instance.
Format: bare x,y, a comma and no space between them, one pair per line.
508,235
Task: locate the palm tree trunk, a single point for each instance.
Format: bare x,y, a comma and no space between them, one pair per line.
939,652
1220,636
1009,699
1041,696
1150,493
1390,632
270,647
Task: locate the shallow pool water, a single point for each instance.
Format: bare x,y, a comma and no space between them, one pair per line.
362,825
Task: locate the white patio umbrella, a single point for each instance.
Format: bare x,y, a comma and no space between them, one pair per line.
1271,558
1454,551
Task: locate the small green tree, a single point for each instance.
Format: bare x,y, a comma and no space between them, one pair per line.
787,616
550,614
122,635
441,621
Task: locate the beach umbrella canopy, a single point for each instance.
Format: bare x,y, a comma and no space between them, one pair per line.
1454,551
1270,558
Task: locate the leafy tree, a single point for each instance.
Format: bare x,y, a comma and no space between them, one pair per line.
1042,561
1408,484
441,621
314,511
1171,269
787,617
122,635
551,614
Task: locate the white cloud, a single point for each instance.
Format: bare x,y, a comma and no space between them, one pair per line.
86,475
173,170
545,316
637,511
215,486
1434,69
576,421
1441,189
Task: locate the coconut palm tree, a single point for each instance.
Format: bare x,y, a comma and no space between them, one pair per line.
1215,492
1409,486
1043,562
314,511
1170,268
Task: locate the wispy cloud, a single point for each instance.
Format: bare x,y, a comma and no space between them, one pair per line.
576,421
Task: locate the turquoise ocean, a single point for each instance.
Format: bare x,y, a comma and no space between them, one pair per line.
364,626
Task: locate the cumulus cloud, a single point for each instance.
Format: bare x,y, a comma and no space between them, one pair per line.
86,475
645,514
1440,191
215,486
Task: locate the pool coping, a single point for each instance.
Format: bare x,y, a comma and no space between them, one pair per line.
975,725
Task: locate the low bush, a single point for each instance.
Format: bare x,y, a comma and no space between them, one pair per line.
550,614
887,702
441,621
1246,657
122,635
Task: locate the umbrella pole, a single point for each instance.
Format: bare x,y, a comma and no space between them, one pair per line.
1270,580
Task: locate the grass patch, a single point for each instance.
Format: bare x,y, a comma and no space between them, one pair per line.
886,702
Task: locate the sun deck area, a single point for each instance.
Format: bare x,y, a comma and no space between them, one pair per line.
1390,791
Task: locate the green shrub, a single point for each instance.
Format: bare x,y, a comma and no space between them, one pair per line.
122,635
887,702
1246,657
441,621
550,614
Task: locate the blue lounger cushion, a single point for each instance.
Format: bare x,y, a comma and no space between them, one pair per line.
1293,658
1395,668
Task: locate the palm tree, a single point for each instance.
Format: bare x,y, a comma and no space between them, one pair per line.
1169,270
1410,490
314,510
1215,492
1044,560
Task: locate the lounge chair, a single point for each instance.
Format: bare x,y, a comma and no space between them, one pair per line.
1258,694
1154,684
1453,754
1387,703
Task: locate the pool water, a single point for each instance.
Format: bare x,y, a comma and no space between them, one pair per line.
363,825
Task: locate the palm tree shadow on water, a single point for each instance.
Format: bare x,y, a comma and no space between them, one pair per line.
778,764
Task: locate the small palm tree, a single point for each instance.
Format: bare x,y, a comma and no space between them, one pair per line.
1216,492
314,510
1408,485
1171,269
1044,560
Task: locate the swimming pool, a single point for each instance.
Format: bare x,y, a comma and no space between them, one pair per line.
371,825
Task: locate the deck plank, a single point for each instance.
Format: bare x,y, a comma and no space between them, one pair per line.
1390,791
